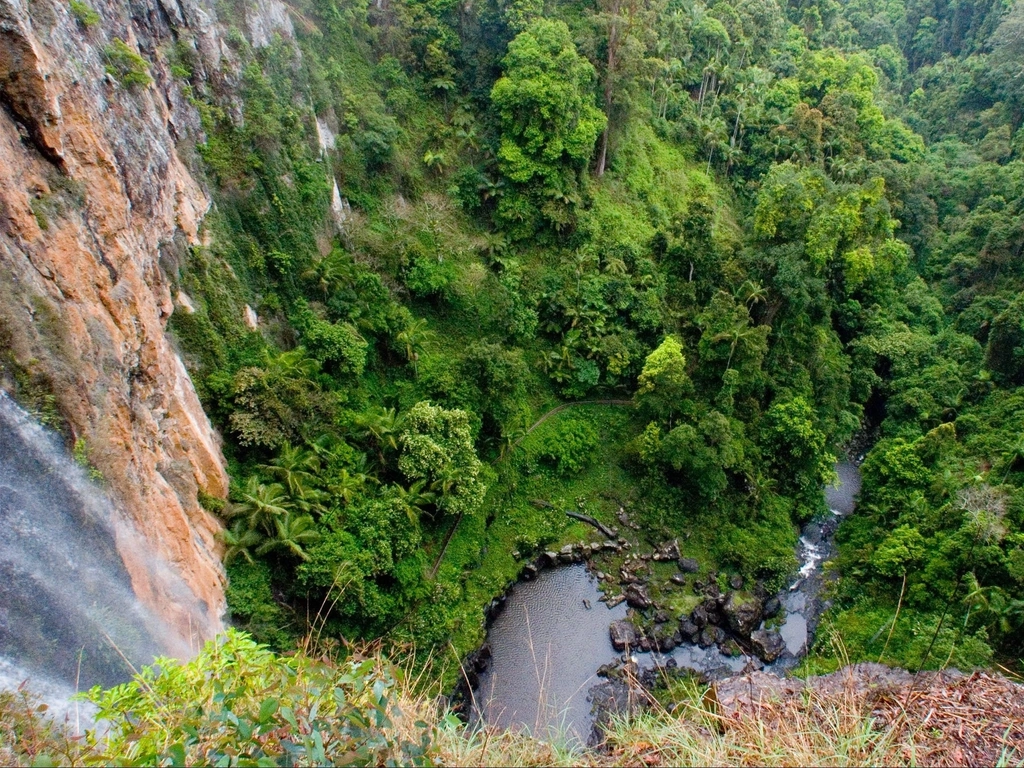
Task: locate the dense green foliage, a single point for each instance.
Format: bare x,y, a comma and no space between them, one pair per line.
237,703
767,225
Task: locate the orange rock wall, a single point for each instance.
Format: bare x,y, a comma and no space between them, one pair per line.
94,196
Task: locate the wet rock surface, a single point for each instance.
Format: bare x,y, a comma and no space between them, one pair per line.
637,596
689,565
623,635
767,644
743,613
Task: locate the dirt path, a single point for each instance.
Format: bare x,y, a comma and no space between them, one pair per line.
537,423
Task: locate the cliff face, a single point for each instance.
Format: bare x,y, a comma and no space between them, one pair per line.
94,197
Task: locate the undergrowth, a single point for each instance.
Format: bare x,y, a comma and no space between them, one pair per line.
237,703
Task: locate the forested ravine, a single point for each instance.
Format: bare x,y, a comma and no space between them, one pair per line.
312,286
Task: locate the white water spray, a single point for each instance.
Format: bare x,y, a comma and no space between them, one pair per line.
68,615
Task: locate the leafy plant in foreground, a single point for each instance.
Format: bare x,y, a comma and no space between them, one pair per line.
236,703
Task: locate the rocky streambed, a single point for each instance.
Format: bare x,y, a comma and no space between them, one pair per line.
554,636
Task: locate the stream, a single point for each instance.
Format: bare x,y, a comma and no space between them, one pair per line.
552,636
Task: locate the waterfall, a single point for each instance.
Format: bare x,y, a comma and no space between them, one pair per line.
69,618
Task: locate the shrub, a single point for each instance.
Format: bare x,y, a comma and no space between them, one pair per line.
570,447
126,65
84,13
237,703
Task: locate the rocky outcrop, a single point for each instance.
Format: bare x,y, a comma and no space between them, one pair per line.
767,644
97,205
743,613
623,635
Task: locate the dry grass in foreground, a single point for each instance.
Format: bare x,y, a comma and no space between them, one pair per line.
862,715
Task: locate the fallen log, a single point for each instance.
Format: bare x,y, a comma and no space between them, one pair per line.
591,521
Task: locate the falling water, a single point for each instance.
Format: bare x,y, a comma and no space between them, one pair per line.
68,616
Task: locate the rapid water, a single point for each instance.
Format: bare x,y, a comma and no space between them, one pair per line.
68,616
547,645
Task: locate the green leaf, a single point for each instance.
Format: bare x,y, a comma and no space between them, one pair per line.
267,710
176,754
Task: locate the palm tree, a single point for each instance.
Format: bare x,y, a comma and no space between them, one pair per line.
328,273
293,364
759,484
291,532
613,265
494,246
380,427
347,485
416,337
238,539
1012,455
752,293
414,499
740,331
294,467
261,503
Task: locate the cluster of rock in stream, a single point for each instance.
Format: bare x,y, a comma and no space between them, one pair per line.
732,619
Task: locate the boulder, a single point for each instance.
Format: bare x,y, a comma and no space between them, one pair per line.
678,579
708,636
688,629
742,613
611,699
736,582
623,635
753,693
550,557
812,533
711,612
660,617
530,571
611,602
772,607
637,597
689,565
767,644
669,550
753,664
665,637
482,657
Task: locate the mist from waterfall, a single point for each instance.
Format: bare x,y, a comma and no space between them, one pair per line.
69,618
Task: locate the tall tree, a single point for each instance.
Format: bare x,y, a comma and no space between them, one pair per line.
548,122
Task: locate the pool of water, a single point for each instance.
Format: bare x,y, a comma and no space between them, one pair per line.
546,648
